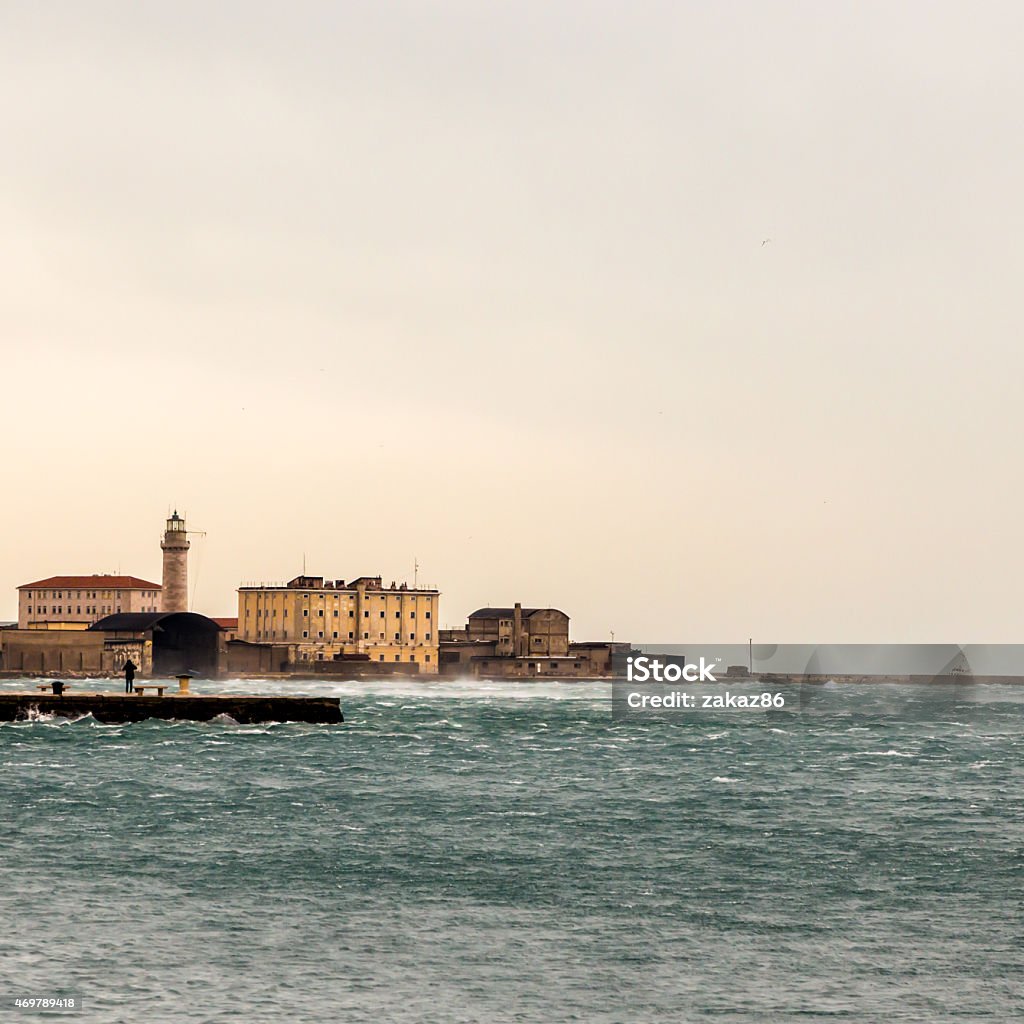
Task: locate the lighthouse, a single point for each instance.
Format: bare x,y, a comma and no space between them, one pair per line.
175,581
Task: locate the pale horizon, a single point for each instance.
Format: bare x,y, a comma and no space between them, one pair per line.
363,284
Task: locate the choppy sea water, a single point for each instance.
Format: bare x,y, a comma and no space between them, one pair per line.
508,852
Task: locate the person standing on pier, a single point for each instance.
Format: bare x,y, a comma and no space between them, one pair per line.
129,676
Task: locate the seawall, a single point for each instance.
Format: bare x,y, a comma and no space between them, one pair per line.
114,708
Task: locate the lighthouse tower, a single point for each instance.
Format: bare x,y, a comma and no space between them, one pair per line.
175,548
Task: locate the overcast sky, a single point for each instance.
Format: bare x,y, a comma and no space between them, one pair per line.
484,284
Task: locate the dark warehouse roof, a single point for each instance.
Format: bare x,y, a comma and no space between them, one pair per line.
139,622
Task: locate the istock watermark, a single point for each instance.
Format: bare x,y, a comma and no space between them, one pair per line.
638,700
643,669
857,685
632,700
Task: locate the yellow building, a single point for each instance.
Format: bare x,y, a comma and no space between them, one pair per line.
320,619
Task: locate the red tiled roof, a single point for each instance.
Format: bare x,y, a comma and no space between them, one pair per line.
84,582
226,623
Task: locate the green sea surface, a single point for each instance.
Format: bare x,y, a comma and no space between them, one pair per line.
492,852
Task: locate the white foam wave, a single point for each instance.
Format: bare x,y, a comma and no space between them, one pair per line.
404,687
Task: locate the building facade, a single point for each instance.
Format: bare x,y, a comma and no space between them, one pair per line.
159,643
324,620
76,602
518,642
522,632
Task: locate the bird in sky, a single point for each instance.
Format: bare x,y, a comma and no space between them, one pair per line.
765,242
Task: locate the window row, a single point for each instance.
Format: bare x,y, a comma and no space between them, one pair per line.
351,636
267,612
88,594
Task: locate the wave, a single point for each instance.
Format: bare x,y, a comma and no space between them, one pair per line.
34,716
387,689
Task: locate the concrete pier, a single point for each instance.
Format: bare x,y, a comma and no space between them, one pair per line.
114,708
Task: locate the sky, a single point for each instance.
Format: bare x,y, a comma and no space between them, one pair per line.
490,287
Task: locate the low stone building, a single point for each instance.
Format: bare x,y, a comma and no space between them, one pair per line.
159,643
517,642
519,632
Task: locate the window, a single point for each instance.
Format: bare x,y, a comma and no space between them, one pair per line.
382,636
366,636
398,615
428,615
428,658
398,657
335,612
412,636
305,613
320,635
320,613
334,635
426,636
382,614
305,634
537,640
366,615
398,636
380,657
554,664
412,615
351,614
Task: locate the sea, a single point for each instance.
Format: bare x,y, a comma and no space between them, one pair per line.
474,851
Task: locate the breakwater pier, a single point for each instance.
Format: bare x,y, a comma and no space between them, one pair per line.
112,708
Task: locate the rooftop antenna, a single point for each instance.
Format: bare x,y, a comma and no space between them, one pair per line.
303,563
199,564
415,573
